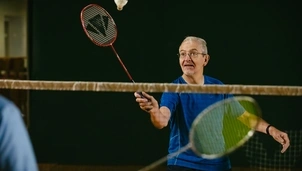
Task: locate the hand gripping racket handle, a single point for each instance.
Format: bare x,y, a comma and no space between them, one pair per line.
142,96
139,92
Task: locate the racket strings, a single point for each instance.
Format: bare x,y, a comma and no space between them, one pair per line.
219,131
210,126
99,25
236,132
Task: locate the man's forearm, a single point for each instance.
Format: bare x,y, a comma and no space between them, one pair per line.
159,119
254,122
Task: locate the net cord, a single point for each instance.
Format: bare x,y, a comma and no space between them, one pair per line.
150,87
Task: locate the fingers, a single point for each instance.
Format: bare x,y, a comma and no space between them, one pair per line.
142,95
284,147
147,106
283,139
146,102
284,142
147,95
137,95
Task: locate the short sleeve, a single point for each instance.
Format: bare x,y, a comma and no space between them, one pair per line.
169,100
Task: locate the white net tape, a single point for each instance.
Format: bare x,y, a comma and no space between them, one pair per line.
150,87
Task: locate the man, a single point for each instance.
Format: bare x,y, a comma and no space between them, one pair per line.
180,109
16,152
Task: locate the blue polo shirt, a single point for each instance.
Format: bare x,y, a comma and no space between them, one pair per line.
16,150
184,109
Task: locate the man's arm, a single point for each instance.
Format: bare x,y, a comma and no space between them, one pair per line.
160,117
261,125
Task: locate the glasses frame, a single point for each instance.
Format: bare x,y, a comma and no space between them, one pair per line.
192,55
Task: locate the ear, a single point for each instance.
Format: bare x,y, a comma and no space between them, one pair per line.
206,60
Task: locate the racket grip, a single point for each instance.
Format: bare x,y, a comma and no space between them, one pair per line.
142,96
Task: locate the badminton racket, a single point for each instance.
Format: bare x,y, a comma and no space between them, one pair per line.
101,29
220,129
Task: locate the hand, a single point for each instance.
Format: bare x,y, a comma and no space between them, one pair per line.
147,102
280,137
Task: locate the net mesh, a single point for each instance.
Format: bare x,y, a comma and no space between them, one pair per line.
263,157
99,25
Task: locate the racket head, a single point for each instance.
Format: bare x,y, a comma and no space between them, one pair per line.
220,129
98,25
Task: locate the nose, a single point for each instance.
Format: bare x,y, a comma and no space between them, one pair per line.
187,57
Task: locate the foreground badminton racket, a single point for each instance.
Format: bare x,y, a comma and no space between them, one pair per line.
220,129
101,29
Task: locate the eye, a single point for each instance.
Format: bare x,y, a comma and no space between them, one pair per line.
182,54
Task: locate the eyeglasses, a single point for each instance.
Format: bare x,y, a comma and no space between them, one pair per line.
182,55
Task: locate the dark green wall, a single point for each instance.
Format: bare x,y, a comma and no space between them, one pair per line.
248,43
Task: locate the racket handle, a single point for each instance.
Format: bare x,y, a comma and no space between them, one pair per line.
142,96
140,93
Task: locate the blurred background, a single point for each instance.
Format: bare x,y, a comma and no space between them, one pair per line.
249,42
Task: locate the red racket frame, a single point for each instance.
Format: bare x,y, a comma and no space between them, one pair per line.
104,45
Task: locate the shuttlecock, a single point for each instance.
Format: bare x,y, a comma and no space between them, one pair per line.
120,4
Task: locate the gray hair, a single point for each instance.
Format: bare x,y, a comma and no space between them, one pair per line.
199,40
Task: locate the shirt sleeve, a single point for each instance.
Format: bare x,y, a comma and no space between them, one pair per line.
234,108
170,100
16,151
